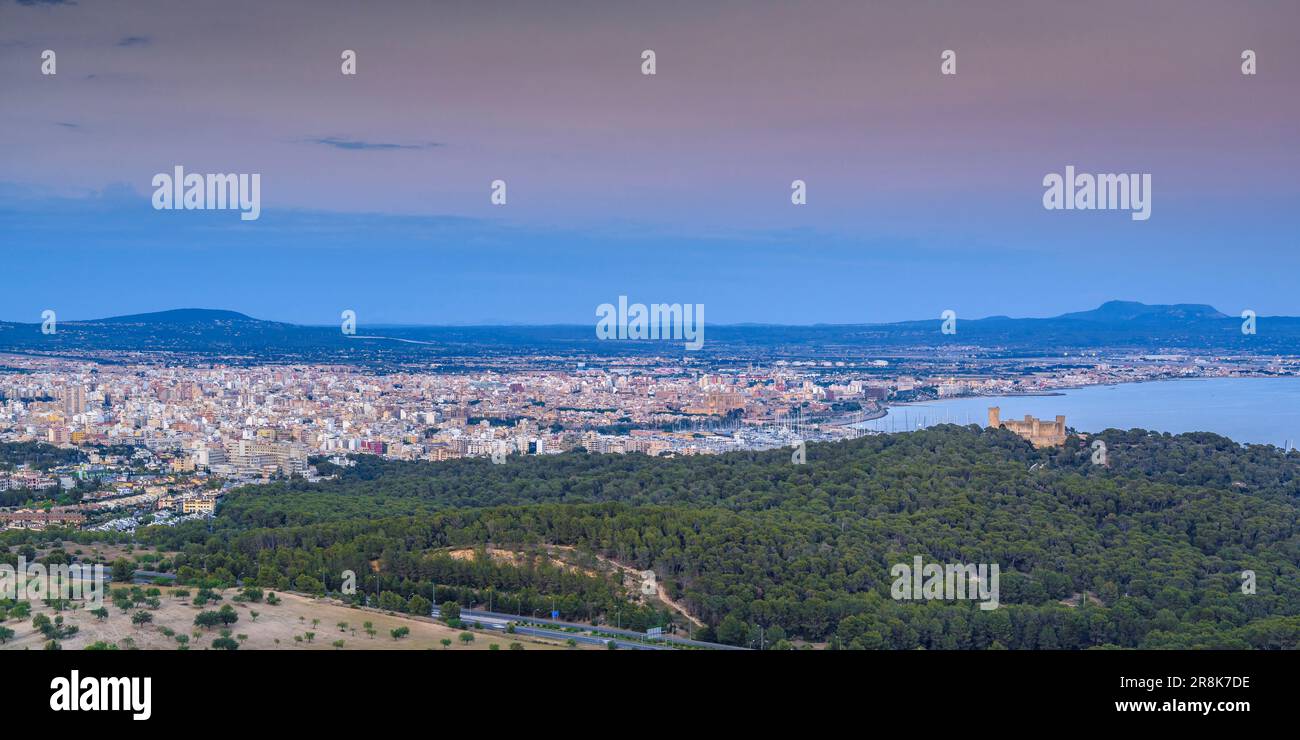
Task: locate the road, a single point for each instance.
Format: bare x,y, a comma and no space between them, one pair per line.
496,621
484,617
142,577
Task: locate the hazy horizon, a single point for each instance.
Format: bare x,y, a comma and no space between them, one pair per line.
400,324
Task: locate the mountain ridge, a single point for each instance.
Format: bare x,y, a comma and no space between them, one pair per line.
1126,326
177,316
1135,310
1113,310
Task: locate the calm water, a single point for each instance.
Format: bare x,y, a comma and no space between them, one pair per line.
1260,410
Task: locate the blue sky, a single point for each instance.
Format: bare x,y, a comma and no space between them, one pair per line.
112,254
924,191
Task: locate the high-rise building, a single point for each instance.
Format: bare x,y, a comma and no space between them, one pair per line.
74,399
251,457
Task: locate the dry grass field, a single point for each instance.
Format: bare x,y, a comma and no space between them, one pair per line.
275,628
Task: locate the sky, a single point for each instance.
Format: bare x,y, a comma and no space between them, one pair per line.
924,190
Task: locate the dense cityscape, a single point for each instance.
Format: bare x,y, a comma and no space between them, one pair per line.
159,442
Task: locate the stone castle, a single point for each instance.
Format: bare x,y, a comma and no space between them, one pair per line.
1039,433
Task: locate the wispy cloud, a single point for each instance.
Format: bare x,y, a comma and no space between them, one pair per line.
359,145
66,124
135,41
30,3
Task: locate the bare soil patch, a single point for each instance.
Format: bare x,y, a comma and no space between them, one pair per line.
274,629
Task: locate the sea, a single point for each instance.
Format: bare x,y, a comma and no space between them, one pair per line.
1246,410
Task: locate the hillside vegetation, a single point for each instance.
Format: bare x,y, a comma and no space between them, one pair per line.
1158,540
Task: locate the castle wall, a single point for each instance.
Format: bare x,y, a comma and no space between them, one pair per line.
1038,432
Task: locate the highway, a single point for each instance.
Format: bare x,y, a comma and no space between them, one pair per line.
496,621
486,617
142,577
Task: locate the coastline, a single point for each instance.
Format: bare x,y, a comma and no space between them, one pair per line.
1264,412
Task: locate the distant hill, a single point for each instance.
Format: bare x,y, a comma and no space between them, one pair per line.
178,316
1134,311
235,337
